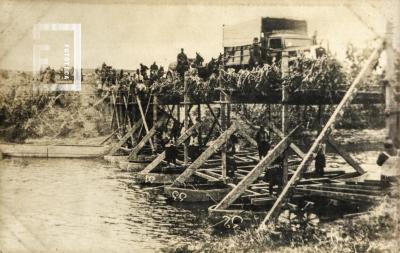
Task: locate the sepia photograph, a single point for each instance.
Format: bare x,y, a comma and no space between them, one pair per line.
174,126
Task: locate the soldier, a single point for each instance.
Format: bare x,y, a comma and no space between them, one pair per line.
255,54
182,63
274,175
171,152
160,72
143,71
194,146
153,71
263,142
230,161
320,161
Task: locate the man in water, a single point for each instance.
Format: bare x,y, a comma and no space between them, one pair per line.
262,139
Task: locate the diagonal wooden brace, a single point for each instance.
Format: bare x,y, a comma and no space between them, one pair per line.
145,139
345,156
244,134
126,137
161,156
255,173
205,155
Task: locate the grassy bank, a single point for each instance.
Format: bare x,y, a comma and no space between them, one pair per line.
25,113
374,231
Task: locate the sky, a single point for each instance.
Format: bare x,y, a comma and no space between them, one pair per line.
124,34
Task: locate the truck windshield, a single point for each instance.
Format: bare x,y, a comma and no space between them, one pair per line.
275,43
297,42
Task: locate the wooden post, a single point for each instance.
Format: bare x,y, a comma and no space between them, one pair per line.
285,112
155,107
391,106
223,125
135,151
125,137
199,120
186,119
348,97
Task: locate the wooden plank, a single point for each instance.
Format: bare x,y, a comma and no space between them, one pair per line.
333,188
345,156
125,137
339,195
161,156
322,135
145,139
205,155
254,174
206,177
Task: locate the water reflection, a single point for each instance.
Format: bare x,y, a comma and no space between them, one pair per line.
87,204
92,206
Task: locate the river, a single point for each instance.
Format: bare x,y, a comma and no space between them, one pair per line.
68,204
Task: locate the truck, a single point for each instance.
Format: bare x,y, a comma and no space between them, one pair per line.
271,37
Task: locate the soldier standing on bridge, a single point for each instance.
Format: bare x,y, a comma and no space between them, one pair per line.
160,72
231,151
255,54
262,139
153,72
274,175
182,63
320,161
143,71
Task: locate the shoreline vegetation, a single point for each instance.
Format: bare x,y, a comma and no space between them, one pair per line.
375,231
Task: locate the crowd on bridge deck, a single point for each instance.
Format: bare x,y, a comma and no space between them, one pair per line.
144,77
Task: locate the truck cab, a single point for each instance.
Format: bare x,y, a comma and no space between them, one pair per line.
293,43
269,37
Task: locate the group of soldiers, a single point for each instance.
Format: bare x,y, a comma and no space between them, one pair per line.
109,76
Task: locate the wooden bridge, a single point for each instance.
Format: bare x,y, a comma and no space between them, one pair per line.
205,178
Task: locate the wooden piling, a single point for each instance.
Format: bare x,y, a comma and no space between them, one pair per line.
186,118
391,105
223,125
285,112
